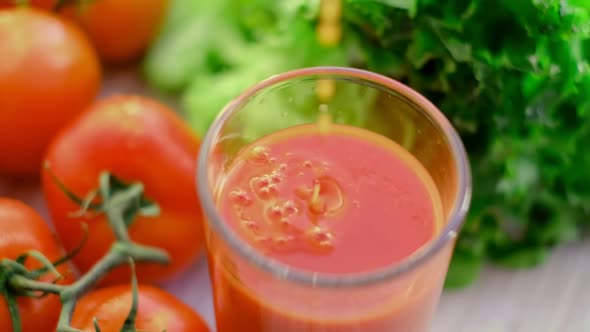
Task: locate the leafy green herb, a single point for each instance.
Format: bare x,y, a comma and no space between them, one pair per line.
512,76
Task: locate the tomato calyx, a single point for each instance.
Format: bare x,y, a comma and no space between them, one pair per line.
121,203
129,203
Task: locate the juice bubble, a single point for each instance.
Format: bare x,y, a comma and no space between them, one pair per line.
307,164
275,212
282,240
283,167
260,155
263,193
240,197
272,160
263,181
276,177
265,241
319,238
273,189
290,208
285,222
251,226
301,174
263,186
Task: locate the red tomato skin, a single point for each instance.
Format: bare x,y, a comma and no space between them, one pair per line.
48,74
22,229
45,4
136,139
157,311
120,30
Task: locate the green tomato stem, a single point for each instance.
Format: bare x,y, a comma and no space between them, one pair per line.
21,282
13,311
119,254
36,274
129,325
121,203
65,317
116,220
16,267
46,263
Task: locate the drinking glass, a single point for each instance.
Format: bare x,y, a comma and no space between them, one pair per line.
254,293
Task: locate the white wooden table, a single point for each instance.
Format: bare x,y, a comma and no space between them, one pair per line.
552,298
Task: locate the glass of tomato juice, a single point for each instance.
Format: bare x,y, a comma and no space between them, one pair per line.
333,198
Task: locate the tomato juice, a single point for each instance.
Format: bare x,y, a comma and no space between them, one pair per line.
335,200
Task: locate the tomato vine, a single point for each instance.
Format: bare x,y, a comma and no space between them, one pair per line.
121,203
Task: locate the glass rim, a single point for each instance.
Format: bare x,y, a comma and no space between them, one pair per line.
283,271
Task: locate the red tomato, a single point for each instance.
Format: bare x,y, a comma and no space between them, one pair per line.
22,230
45,4
48,74
136,139
120,30
157,311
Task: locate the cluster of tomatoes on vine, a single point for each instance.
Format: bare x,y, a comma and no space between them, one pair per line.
117,175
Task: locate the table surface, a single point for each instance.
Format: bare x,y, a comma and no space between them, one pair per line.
554,297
